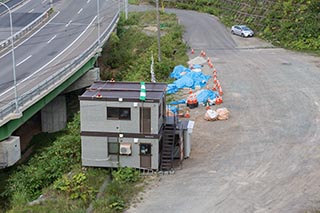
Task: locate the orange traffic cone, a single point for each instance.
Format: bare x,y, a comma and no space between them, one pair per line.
207,105
219,100
210,65
187,114
214,75
204,54
214,88
201,53
214,71
208,60
215,80
220,91
192,51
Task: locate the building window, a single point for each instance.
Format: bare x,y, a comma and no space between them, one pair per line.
118,113
113,145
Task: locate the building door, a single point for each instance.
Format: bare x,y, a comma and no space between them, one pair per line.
145,155
145,120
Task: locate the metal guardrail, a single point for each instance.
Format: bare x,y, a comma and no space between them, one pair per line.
44,16
53,79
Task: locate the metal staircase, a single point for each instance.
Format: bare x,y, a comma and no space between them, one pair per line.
168,142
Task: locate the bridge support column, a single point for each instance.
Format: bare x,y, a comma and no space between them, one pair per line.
54,115
9,151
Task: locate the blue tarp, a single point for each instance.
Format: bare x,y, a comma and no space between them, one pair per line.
172,88
197,66
204,95
191,80
179,71
173,109
183,101
186,79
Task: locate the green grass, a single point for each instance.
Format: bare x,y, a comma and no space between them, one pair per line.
127,56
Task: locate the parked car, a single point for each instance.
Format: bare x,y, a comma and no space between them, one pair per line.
242,30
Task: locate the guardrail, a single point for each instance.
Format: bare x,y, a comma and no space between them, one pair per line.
44,16
53,79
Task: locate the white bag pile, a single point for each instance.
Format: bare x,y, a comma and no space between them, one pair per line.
223,113
218,114
211,115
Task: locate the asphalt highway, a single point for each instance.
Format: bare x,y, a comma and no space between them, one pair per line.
72,27
22,15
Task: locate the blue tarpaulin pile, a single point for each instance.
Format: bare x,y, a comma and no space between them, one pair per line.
205,94
202,97
186,79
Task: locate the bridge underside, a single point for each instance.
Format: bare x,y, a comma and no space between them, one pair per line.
7,129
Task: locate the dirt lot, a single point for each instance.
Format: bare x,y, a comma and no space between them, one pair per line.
266,157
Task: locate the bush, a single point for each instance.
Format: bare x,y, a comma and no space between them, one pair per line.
126,175
27,182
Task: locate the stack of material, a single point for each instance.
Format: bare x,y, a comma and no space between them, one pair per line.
211,115
218,114
223,113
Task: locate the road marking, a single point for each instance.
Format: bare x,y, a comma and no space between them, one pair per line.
44,1
52,39
68,23
88,1
80,11
72,43
30,76
24,60
24,41
30,11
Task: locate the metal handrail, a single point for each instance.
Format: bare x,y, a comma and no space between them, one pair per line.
25,30
53,79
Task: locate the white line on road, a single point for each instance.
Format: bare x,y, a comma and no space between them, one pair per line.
30,11
88,1
24,60
52,39
44,1
68,23
30,76
24,41
72,43
80,11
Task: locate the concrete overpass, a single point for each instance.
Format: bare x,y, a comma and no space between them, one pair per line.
52,56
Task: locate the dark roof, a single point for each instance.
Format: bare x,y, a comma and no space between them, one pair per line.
128,91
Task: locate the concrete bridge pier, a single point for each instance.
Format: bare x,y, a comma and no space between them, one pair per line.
9,151
54,115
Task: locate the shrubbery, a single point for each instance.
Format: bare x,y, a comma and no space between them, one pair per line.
127,56
27,182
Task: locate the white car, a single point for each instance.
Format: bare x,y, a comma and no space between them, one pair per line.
242,30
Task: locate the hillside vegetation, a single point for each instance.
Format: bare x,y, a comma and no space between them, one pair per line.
294,24
127,55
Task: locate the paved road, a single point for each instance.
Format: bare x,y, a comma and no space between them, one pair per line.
71,31
21,15
266,157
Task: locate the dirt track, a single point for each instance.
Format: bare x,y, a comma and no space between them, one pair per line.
266,157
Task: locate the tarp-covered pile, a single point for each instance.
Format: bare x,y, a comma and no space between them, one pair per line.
186,78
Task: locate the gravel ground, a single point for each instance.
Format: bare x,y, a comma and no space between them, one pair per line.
266,157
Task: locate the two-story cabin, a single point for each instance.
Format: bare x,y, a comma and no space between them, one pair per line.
119,129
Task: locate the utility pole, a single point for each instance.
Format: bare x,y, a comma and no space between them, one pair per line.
158,26
126,8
